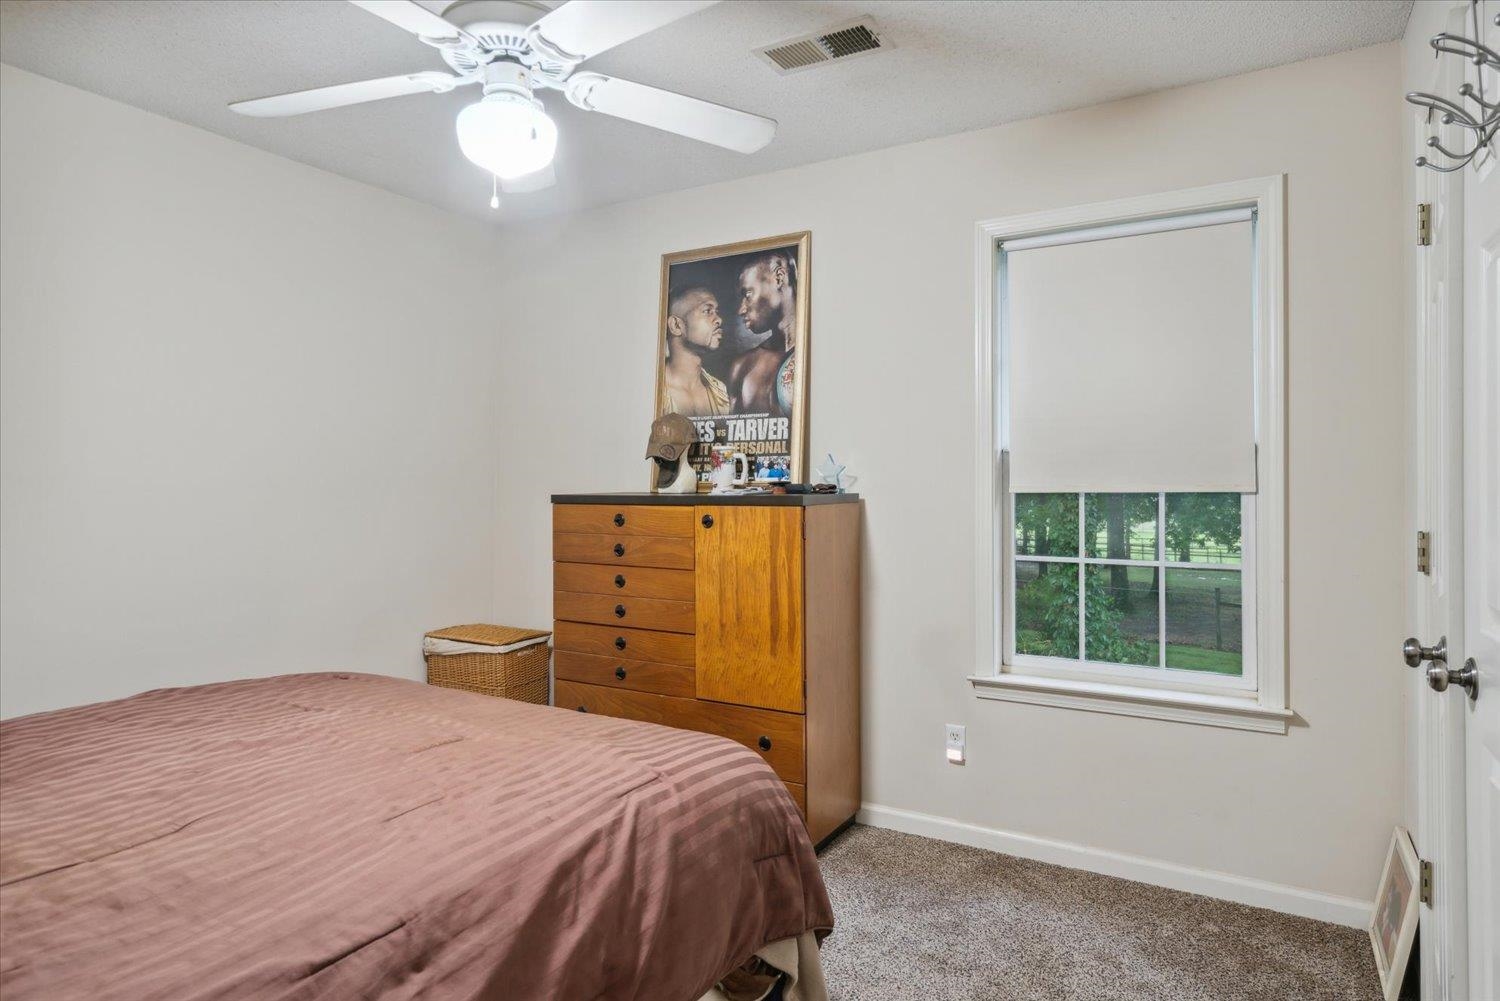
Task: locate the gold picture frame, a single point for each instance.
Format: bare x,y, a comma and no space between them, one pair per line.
737,386
1393,925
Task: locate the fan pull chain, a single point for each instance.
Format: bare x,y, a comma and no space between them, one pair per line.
495,191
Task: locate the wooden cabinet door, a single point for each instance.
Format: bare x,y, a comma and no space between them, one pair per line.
749,605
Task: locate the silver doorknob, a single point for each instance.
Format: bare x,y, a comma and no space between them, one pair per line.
1414,652
1440,676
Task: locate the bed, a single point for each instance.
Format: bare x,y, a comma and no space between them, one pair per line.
356,836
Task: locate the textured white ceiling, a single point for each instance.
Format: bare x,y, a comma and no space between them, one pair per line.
956,66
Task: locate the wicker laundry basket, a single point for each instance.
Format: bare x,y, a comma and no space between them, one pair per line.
517,669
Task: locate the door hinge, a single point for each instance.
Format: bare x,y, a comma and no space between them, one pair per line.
1426,884
1424,224
1424,552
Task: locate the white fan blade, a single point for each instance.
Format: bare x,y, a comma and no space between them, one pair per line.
322,98
413,17
535,181
583,28
662,109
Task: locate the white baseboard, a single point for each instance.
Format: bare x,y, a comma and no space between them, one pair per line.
1222,885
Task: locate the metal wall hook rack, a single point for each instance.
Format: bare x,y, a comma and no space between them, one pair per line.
1483,120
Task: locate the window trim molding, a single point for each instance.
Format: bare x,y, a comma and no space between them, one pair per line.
1237,713
991,678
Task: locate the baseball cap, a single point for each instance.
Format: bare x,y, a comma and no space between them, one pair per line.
671,434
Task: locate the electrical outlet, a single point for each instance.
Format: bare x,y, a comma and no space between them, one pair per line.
954,734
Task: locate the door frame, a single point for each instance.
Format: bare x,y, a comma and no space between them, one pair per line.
1435,472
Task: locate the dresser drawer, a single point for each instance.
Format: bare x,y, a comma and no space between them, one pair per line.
637,582
799,794
608,609
616,641
623,550
632,675
775,736
626,519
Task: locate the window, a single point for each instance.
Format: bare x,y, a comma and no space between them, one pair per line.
1142,586
1130,492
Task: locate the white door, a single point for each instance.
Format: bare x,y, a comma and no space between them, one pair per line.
1456,497
1481,478
1437,503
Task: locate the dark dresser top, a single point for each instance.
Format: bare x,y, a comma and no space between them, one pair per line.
690,500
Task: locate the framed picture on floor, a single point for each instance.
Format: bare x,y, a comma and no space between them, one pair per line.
732,347
1397,902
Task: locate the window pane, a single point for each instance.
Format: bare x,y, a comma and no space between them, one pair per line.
1120,614
1203,528
1047,525
1203,621
1120,526
1047,608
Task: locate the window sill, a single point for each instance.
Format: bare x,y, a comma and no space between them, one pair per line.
1234,712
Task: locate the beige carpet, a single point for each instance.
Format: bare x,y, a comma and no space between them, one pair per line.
925,919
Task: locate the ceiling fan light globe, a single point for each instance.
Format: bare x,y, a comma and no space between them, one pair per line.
507,134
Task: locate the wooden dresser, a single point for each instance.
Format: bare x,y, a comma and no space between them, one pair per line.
737,616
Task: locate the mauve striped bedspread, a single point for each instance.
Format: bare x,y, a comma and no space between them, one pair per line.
354,836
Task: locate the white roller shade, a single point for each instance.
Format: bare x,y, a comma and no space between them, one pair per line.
1131,364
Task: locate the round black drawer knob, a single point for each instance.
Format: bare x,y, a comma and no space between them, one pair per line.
582,709
619,549
619,580
619,521
708,521
765,743
619,611
620,673
619,642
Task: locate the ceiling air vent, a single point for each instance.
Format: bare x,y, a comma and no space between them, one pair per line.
842,42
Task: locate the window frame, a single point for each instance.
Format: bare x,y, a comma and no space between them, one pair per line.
1259,701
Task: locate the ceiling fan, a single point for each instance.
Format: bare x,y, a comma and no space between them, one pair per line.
506,47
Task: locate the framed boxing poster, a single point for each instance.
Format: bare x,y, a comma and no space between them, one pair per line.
732,352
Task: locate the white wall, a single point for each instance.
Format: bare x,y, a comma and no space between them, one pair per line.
246,410
891,394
